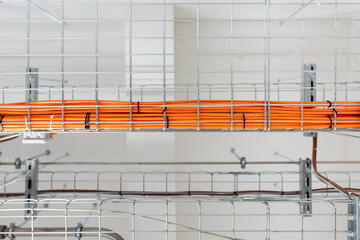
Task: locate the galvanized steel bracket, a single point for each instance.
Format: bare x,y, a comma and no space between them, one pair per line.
31,187
305,186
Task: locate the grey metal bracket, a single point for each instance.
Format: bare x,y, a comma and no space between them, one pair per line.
243,162
31,186
32,94
353,219
11,230
79,229
308,83
32,83
308,87
305,186
17,163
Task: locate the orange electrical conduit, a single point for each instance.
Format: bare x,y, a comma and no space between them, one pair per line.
213,114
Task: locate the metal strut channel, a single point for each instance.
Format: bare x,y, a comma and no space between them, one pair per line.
308,90
305,186
353,219
32,94
31,186
79,230
308,93
32,83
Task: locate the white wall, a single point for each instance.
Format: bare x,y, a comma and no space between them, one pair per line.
170,147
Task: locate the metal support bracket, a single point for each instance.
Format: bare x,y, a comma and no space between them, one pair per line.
79,229
11,230
353,219
305,186
31,186
308,87
241,159
32,83
32,94
243,162
17,163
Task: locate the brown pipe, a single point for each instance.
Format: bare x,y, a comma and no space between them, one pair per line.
177,193
323,178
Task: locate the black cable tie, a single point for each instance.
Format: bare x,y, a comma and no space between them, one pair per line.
330,121
244,119
87,121
236,193
1,119
189,193
167,121
164,110
335,110
282,193
120,193
330,104
138,107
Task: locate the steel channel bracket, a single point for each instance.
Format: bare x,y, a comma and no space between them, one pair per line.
17,163
32,83
243,162
32,94
353,219
305,187
11,231
308,87
79,229
31,186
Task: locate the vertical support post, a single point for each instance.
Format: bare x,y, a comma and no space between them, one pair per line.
31,186
31,84
130,63
198,125
308,90
165,125
336,47
97,65
305,186
353,220
63,67
268,56
232,64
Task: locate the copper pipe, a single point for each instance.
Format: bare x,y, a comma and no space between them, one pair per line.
323,178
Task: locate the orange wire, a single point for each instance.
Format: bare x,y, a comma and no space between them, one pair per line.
213,114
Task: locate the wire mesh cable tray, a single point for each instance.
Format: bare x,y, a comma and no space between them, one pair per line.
175,65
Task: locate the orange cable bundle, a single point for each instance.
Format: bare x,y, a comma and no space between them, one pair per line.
211,114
